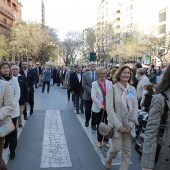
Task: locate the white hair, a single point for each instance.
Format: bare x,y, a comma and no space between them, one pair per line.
15,66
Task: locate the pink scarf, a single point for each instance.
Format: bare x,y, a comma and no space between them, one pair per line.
127,109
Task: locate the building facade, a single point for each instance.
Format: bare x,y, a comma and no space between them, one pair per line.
10,13
125,16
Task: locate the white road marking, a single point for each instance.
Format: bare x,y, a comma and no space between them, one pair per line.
93,138
54,151
6,151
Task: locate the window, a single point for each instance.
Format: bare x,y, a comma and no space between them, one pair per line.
4,20
162,29
162,17
9,3
14,7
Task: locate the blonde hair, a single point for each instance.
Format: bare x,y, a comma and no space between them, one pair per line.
116,77
99,69
112,72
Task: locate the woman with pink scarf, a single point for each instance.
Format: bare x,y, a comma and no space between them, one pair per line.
122,110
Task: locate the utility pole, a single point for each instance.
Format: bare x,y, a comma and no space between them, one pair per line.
43,12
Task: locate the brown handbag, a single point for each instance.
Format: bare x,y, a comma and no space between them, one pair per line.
104,129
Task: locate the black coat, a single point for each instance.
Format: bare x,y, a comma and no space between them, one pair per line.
40,70
75,85
147,102
63,74
22,80
153,78
30,79
36,74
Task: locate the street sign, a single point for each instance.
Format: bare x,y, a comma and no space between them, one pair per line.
92,56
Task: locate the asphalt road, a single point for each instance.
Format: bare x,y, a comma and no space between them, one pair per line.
54,137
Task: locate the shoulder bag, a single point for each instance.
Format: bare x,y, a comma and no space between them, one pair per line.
6,127
104,129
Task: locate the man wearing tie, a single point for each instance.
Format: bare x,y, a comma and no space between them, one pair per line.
88,78
29,74
76,88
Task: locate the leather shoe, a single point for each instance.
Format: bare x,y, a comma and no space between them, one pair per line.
31,112
86,124
20,125
25,118
108,164
77,112
94,127
99,144
5,145
12,155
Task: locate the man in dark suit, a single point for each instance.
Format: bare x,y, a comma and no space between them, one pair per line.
63,74
29,74
40,71
36,74
58,76
67,80
88,78
76,88
22,80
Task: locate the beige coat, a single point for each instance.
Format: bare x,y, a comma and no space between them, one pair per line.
150,143
6,100
13,82
115,116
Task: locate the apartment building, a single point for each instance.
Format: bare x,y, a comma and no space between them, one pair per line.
164,19
163,25
10,13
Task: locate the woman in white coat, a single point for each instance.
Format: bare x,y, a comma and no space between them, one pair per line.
11,139
98,95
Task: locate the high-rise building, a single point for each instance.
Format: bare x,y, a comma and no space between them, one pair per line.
124,15
10,13
164,19
43,12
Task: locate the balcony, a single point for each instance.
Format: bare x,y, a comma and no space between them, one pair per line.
7,13
5,24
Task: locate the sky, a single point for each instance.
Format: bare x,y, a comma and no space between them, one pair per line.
64,15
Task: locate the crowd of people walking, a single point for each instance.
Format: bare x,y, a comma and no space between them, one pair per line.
114,96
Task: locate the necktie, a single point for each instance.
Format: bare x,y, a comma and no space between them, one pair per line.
92,76
25,72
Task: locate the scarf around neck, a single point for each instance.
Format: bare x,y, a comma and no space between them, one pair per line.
127,109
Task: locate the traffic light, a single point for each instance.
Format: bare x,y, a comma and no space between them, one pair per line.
92,56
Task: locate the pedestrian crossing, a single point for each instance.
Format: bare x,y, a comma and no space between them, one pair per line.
54,150
55,153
